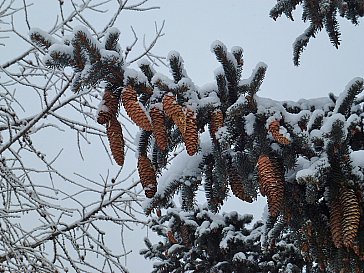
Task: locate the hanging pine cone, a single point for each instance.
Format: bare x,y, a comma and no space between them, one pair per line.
237,187
147,176
171,237
159,128
216,121
116,140
271,182
274,130
350,217
336,216
135,109
108,107
190,136
174,111
185,235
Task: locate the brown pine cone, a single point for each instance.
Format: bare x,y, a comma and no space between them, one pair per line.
175,112
216,122
336,215
274,130
159,128
171,237
185,235
135,109
271,180
147,176
116,140
350,217
190,136
108,107
237,187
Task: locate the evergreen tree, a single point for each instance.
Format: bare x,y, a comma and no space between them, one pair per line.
304,156
321,14
201,241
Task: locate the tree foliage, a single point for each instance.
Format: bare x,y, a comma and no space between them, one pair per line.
201,241
298,154
223,137
320,14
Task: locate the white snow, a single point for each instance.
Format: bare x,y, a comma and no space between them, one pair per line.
161,77
357,158
311,169
249,124
183,165
44,34
250,79
174,248
175,55
143,61
211,99
114,32
239,104
353,119
344,94
57,49
216,44
239,256
134,74
357,162
315,114
88,35
102,108
329,121
237,49
219,71
109,55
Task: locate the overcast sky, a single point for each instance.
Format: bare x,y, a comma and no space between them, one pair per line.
191,27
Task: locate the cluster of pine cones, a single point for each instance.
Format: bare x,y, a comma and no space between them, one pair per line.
151,120
344,209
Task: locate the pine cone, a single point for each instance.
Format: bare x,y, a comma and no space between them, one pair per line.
174,111
190,136
171,237
108,107
274,130
216,122
135,109
147,176
237,187
336,215
185,234
116,140
350,217
271,182
159,128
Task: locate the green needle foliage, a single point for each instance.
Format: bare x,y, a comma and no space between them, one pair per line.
320,14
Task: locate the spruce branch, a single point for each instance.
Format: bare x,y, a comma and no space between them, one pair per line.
344,104
320,14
